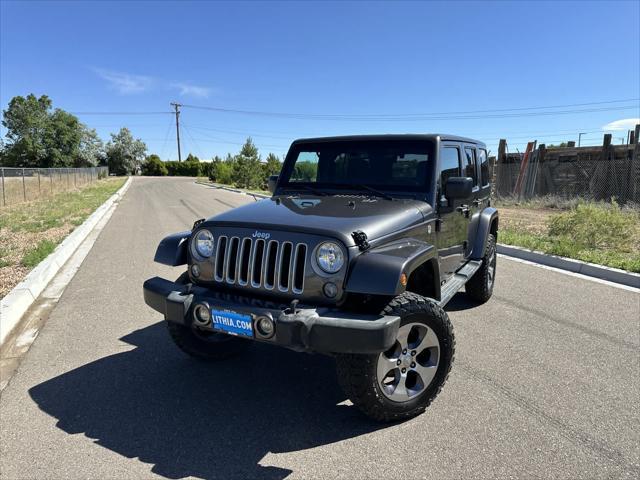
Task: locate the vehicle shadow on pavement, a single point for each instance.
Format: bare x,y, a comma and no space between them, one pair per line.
460,301
208,420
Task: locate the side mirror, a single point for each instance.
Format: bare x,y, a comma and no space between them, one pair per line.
273,181
458,187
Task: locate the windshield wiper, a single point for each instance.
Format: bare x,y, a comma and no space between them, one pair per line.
362,186
315,191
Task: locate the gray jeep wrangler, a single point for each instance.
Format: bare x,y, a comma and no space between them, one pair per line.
362,243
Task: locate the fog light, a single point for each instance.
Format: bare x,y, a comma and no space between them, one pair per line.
201,314
195,270
266,327
330,289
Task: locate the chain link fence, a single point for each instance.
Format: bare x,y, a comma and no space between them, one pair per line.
24,184
594,173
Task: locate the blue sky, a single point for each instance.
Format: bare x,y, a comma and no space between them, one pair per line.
326,58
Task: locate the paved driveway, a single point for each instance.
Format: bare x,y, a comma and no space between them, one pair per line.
546,382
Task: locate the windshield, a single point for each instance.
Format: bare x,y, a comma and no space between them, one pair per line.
382,165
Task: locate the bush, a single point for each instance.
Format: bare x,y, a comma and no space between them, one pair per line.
183,169
597,226
153,166
222,172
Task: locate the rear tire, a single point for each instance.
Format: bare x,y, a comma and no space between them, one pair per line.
480,286
401,383
203,344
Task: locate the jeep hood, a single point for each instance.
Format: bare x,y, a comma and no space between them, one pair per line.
334,216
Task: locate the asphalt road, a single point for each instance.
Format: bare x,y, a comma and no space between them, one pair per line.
546,382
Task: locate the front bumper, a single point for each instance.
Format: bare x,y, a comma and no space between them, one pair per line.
320,329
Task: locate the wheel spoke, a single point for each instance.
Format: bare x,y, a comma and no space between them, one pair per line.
400,392
403,336
427,341
385,365
426,373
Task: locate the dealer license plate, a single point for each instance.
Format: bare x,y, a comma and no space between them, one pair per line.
231,322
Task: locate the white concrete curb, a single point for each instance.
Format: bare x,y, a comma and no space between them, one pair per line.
589,269
14,305
234,190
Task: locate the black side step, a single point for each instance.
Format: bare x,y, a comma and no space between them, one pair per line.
458,280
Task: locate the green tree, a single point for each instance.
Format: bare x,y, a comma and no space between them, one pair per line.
153,166
124,153
192,158
38,137
62,137
91,150
26,120
272,166
247,172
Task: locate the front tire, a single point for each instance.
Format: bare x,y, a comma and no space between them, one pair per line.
401,383
203,344
480,286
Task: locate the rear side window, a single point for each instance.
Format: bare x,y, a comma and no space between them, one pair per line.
470,164
450,164
483,162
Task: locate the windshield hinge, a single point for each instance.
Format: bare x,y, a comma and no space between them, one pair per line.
361,240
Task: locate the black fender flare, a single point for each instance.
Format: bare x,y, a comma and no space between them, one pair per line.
172,250
479,230
377,271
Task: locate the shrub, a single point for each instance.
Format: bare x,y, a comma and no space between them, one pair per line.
597,226
153,166
183,169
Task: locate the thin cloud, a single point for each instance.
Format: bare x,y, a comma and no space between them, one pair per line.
192,90
623,124
125,83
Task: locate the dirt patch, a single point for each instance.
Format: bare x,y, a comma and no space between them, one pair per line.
16,245
526,220
25,226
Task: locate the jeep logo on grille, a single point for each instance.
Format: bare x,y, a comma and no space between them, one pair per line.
263,235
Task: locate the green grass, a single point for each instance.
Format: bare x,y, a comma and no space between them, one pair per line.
34,256
592,232
56,211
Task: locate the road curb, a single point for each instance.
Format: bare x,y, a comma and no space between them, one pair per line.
14,305
576,266
234,190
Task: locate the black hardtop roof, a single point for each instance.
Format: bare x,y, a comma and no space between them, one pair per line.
390,136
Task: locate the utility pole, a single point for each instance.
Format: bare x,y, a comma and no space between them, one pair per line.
177,106
579,136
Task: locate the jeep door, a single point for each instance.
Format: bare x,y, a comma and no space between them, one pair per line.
452,223
476,166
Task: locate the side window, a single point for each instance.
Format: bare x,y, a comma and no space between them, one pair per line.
305,168
483,163
450,164
469,168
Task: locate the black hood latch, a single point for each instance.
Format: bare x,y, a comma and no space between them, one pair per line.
196,223
361,240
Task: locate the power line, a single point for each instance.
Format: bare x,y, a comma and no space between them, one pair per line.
122,113
199,150
471,114
238,132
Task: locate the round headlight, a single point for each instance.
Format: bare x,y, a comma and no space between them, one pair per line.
203,243
330,257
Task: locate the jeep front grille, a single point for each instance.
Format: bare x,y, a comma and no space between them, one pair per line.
260,263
